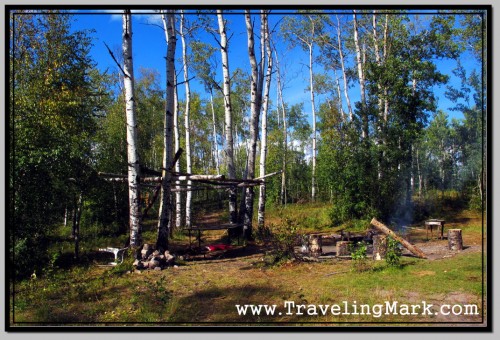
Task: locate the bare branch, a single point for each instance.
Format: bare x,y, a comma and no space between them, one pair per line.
116,61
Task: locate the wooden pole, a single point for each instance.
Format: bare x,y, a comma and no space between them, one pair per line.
413,249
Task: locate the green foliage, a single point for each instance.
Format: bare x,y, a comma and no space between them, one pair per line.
360,262
393,255
284,238
54,104
358,252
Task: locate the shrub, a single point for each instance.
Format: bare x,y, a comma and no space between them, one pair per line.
393,255
359,258
284,238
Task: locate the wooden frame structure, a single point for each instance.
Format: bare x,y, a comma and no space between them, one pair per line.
202,182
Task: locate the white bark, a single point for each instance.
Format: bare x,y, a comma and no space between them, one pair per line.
216,146
361,76
186,118
313,110
132,154
177,143
168,153
255,104
346,87
228,113
263,147
281,105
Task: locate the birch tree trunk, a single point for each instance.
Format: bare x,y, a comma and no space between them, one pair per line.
361,77
255,104
341,54
177,167
216,147
165,208
132,154
177,143
263,146
313,110
228,114
186,119
283,198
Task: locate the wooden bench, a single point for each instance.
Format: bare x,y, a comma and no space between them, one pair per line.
434,222
226,226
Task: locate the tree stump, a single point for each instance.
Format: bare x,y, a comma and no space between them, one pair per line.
315,245
455,239
343,248
379,247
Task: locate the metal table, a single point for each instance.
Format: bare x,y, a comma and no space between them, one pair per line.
434,222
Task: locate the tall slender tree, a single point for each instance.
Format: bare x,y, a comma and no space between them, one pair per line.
187,129
228,114
255,105
265,42
177,139
165,209
132,153
305,32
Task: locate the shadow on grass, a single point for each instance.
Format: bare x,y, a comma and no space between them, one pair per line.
218,305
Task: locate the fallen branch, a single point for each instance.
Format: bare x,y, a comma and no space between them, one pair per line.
413,249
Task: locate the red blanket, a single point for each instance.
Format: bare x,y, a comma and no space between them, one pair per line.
213,247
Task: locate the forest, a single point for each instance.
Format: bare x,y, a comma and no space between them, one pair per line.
332,115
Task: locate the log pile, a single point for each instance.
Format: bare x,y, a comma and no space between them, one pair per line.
149,258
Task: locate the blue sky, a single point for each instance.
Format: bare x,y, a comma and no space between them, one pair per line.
150,49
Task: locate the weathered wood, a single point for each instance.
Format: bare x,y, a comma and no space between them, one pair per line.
379,247
343,248
268,175
455,241
198,177
413,249
315,245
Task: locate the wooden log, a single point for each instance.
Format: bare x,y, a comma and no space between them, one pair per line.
343,248
413,249
197,177
315,245
455,239
379,247
269,175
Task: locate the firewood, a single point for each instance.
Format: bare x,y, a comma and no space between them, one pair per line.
413,249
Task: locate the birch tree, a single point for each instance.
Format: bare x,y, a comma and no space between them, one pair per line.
223,43
177,143
186,117
205,65
255,105
304,32
281,105
164,212
133,172
361,75
265,104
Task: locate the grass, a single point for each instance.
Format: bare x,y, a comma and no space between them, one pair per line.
208,290
312,217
